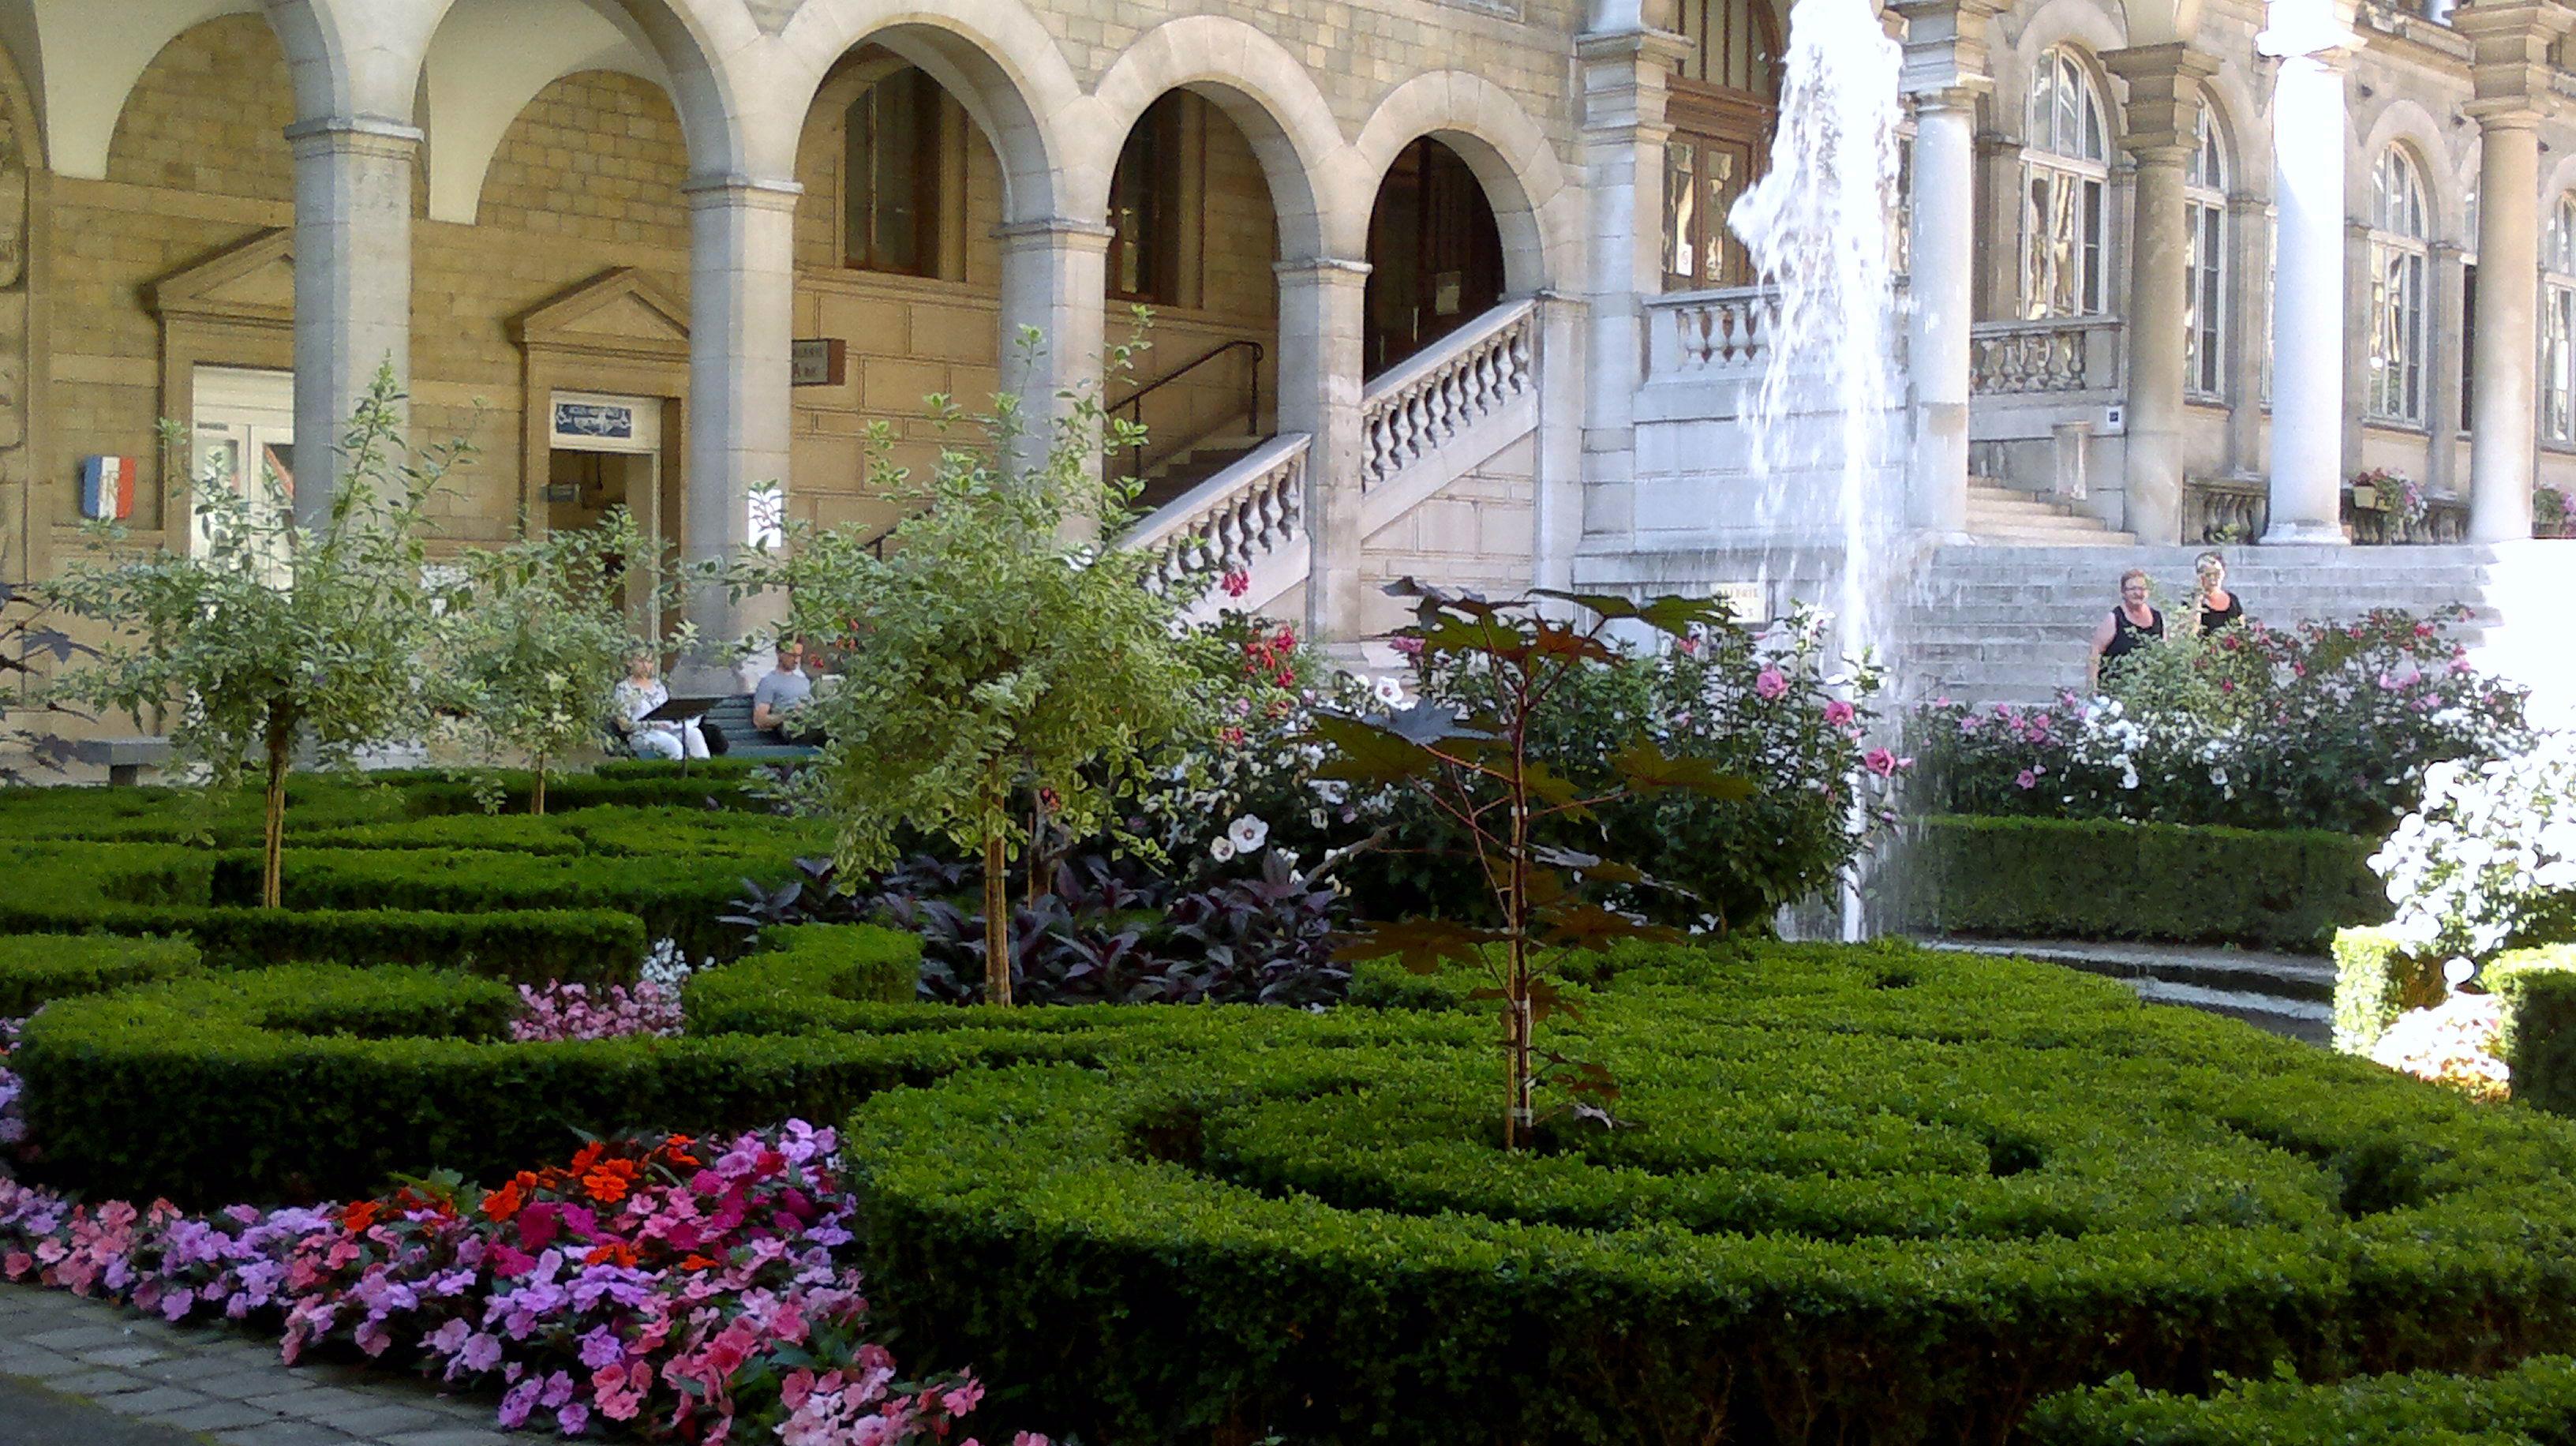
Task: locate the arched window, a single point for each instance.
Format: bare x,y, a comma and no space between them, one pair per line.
890,189
2400,266
2204,212
1725,95
2558,324
2066,176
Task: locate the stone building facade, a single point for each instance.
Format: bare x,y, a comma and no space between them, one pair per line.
1435,284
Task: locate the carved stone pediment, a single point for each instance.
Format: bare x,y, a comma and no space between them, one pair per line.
253,280
616,313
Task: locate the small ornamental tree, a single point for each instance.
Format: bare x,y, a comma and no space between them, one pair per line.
988,656
278,635
1474,762
531,646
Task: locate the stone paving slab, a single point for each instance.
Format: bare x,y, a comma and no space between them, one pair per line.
86,1372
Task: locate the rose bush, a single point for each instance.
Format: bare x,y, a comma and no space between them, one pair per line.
2321,726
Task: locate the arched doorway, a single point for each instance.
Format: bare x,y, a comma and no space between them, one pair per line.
1435,253
1723,103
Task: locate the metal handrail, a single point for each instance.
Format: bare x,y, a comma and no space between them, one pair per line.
1134,402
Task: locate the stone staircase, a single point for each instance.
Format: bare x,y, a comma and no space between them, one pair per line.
2287,994
2009,517
2014,623
1175,475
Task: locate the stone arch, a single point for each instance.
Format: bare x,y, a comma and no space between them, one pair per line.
1535,205
2080,29
636,155
84,82
994,56
2237,105
1248,76
179,131
2405,123
2555,182
490,59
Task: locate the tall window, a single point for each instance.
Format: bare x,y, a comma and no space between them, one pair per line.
891,186
1144,204
2400,267
2205,218
2558,324
1725,96
2066,174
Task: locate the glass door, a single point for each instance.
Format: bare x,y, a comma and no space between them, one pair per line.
243,467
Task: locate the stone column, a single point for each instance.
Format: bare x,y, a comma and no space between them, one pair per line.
2249,313
2442,399
1556,516
1999,248
2308,403
2164,121
1054,281
2511,42
2358,326
353,186
1624,87
1945,72
742,292
1321,311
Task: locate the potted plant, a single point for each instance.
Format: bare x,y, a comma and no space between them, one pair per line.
2553,512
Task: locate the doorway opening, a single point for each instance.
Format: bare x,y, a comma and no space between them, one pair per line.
1435,254
242,464
605,452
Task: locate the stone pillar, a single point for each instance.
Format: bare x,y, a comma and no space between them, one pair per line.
2249,315
2308,402
1999,248
2164,120
1054,281
1556,519
2358,325
353,187
2442,401
1945,72
1624,87
742,292
2511,42
1321,311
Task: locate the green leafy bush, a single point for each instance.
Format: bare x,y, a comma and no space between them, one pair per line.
1872,1195
2377,978
2534,1402
2104,879
2538,1037
36,969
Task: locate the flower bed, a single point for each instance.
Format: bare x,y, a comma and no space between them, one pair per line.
1989,1180
688,1289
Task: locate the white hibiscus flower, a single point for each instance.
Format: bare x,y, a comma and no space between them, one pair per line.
1247,834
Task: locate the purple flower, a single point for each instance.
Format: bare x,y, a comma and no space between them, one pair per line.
1770,684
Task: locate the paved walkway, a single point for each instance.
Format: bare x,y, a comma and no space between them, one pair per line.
2288,994
85,1372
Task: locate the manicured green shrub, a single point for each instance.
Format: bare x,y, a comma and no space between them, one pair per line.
807,969
36,969
2377,979
2105,879
1870,1196
2538,1040
2534,1402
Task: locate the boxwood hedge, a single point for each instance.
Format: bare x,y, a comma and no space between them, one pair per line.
1872,1196
37,970
2533,1403
2538,990
2045,878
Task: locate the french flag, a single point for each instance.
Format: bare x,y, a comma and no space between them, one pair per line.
107,488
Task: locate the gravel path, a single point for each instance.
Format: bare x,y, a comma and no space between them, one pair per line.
85,1372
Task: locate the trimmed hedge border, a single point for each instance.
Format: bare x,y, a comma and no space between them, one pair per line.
1970,1182
37,970
2534,1402
2106,879
2538,990
2376,980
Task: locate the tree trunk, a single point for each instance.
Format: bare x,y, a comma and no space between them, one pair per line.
997,921
537,791
1037,852
272,859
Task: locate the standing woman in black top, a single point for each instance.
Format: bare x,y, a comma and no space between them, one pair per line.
2127,629
2219,608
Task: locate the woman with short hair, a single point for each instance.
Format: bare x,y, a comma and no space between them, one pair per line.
2131,626
2219,608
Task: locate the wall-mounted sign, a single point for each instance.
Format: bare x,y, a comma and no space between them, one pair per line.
822,361
607,421
1746,602
107,488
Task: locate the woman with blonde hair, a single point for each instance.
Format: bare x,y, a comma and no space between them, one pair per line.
2219,608
2131,626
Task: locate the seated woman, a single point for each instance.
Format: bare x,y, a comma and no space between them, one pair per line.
640,693
2219,608
2131,626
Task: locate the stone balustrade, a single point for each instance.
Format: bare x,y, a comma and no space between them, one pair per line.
1712,334
2225,509
1231,521
2057,354
1458,381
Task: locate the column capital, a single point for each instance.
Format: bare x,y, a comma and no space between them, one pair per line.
1322,269
2328,39
2447,253
2164,98
1642,43
1054,231
1625,75
380,135
2510,64
1946,45
720,188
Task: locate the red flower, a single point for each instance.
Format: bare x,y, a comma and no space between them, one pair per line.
356,1217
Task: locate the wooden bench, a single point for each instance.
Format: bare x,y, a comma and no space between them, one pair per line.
123,758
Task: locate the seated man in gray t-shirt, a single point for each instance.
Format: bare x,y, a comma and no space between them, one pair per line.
779,692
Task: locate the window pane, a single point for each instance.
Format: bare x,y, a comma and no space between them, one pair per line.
1681,214
892,174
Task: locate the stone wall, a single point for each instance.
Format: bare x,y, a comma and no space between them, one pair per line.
1473,533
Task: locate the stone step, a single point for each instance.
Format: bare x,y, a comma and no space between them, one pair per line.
2288,994
2015,536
